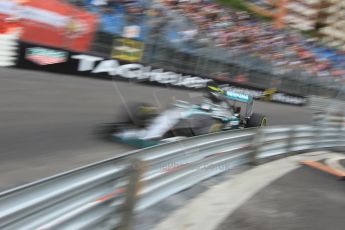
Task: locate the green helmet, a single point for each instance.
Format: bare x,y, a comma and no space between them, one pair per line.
213,87
214,92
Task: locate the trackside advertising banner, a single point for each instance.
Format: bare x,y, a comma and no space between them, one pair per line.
38,57
52,22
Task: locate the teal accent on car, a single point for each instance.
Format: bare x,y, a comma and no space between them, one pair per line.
139,143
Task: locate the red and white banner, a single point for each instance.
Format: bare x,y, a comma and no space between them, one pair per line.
52,22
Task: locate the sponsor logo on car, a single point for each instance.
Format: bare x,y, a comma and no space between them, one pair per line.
237,96
276,96
44,56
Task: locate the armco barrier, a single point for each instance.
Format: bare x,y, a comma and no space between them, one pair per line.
83,198
8,49
105,195
325,104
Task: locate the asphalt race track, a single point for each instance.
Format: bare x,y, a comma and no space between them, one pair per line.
50,123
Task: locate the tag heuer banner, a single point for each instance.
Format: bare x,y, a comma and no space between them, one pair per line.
38,57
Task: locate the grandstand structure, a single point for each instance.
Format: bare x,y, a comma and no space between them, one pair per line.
298,14
334,29
325,16
303,14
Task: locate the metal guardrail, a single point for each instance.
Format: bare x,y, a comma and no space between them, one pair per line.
202,60
105,195
79,199
325,104
210,61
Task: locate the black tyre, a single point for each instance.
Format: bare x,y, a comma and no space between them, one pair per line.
257,120
139,113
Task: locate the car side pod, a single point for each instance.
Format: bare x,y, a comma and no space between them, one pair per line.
136,142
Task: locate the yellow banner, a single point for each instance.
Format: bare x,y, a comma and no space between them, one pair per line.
127,49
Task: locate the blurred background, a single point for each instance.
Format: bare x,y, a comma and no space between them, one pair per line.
296,46
54,116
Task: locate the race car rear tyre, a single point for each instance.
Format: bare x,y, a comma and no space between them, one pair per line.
139,112
257,120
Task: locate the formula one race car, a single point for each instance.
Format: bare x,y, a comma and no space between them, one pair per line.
220,110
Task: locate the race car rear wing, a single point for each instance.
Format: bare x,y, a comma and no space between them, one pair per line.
240,97
232,95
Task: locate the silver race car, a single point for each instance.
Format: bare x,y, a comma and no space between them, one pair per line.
220,110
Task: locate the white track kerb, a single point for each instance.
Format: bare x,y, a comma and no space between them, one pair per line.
211,208
8,49
106,194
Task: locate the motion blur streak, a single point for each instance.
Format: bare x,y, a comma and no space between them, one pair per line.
49,122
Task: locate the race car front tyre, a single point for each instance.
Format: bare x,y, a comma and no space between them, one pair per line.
209,125
257,120
195,125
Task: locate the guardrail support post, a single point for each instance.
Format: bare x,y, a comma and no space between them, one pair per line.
132,190
256,146
341,128
290,141
318,123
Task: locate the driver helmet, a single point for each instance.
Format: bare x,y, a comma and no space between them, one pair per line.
214,92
